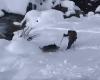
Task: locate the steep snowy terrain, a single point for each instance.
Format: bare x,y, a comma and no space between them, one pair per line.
23,60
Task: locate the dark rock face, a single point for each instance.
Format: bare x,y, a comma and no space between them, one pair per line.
87,5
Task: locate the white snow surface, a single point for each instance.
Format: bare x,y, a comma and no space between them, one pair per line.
67,3
23,60
35,18
70,5
1,13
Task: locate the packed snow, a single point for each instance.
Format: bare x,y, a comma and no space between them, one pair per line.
34,17
14,6
23,60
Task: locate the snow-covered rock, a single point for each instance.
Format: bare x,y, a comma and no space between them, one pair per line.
71,7
1,13
23,60
97,9
39,20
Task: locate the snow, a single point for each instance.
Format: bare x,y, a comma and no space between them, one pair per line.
71,7
90,13
48,17
23,60
45,5
98,9
52,16
67,3
19,6
20,49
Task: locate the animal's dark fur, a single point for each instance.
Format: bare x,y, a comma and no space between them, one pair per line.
50,48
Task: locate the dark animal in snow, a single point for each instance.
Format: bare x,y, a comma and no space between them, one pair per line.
50,48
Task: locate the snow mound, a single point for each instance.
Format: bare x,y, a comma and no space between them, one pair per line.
71,7
16,48
34,17
1,13
39,20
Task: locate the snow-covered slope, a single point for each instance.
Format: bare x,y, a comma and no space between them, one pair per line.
14,6
23,60
19,6
1,13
